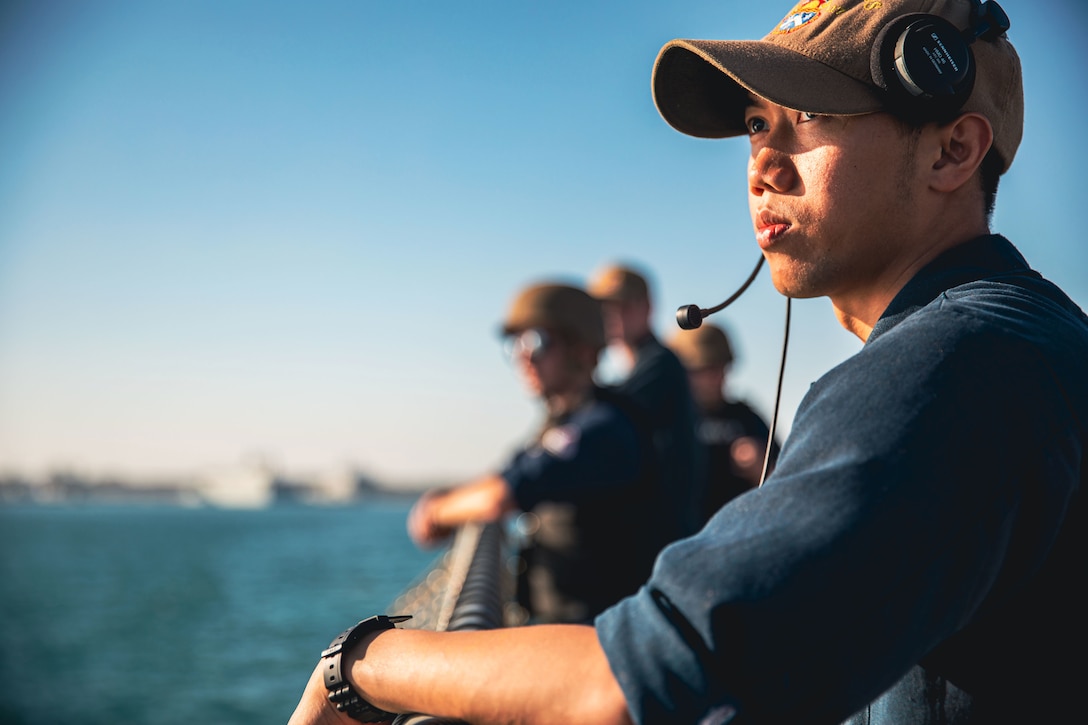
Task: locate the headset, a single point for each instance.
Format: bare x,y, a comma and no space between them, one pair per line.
925,63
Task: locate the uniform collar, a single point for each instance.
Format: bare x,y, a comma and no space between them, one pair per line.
981,258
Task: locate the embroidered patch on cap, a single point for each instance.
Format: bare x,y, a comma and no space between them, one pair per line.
561,442
803,13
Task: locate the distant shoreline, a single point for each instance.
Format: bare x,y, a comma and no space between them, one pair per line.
256,493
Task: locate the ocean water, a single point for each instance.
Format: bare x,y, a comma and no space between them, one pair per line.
163,615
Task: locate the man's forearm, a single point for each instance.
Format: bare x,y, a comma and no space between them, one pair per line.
538,674
437,513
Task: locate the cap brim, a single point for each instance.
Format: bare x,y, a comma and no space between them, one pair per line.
701,87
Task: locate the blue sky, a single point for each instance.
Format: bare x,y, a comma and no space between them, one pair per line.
289,230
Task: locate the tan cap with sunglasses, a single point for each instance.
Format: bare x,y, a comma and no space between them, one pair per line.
563,309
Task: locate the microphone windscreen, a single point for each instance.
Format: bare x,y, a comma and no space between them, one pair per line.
689,317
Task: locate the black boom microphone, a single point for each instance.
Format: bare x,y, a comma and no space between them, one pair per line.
691,316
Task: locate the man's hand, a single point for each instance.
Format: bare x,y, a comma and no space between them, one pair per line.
422,526
747,454
314,708
438,513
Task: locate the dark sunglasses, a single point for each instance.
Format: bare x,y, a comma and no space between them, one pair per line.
532,343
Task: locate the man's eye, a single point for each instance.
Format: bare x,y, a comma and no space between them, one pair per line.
809,116
756,125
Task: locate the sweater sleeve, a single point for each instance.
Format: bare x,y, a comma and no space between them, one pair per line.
911,473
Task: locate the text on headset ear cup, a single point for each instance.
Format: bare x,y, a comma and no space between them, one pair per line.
925,65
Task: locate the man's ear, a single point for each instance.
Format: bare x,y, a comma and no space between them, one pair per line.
964,143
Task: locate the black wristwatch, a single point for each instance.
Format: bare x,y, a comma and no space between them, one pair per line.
341,693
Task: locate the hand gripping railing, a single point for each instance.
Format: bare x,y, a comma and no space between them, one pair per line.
467,590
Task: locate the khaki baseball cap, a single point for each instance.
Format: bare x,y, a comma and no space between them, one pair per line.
565,309
617,283
705,346
819,59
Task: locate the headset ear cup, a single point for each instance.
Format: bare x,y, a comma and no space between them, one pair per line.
902,63
881,54
882,66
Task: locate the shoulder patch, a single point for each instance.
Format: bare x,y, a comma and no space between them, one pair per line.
561,441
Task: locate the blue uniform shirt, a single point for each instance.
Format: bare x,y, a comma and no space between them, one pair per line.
589,483
923,525
658,384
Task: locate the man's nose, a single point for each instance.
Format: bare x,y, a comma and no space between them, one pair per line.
771,170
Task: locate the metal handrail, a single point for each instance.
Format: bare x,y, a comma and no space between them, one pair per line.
466,590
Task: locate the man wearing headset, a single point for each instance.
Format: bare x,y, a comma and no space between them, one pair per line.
917,555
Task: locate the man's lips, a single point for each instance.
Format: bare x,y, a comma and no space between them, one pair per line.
769,227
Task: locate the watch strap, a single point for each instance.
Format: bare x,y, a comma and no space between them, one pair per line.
341,693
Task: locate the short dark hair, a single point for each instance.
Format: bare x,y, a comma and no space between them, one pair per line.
990,171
